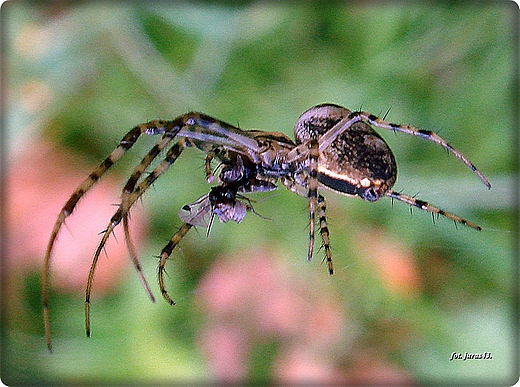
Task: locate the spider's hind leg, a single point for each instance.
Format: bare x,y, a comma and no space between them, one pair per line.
317,202
425,134
126,197
425,206
312,194
127,142
165,254
122,212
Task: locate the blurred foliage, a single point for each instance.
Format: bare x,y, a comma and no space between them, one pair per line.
83,73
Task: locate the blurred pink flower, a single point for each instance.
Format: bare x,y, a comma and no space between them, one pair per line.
253,298
394,263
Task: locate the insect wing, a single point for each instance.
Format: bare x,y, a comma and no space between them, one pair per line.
197,213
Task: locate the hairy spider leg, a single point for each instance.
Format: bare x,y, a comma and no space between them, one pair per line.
126,192
149,128
312,193
214,132
324,231
317,202
135,259
306,154
172,155
166,252
298,189
201,131
354,117
195,126
425,206
194,215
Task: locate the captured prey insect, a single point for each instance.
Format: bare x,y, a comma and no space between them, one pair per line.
334,148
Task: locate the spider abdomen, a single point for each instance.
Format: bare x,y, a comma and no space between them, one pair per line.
358,162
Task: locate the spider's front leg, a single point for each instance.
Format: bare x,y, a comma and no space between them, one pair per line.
425,206
126,196
222,202
126,201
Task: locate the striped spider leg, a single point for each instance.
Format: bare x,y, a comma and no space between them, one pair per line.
350,118
200,213
316,205
223,201
197,130
122,212
200,129
340,151
352,159
128,189
150,128
334,148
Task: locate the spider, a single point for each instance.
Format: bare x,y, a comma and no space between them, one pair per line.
334,148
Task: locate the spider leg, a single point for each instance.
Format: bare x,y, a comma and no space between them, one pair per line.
207,165
172,155
321,210
354,117
312,192
126,192
149,128
324,231
135,259
165,254
425,206
208,132
145,163
196,129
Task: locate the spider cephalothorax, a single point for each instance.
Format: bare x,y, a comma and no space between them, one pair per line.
335,149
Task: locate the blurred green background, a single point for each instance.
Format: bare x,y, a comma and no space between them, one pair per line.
407,292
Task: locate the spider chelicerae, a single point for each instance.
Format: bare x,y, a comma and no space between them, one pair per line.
334,148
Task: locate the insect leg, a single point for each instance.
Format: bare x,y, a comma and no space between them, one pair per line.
425,206
165,254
